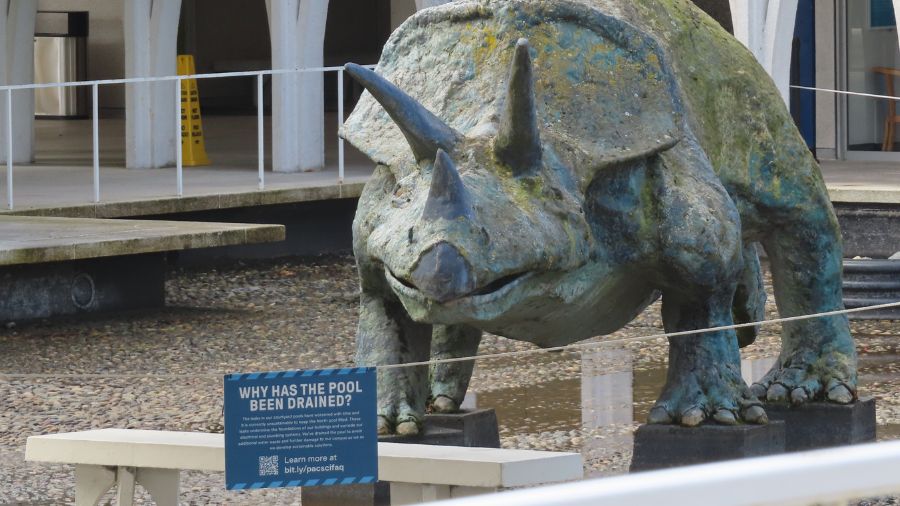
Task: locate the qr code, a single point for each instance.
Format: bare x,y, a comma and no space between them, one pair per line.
268,466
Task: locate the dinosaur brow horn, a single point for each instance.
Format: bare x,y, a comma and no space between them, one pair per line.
518,142
424,131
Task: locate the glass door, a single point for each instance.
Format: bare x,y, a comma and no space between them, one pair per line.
872,62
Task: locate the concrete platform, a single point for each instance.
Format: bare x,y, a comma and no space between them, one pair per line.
31,240
62,266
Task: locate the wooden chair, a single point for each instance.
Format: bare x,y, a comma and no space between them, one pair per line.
892,117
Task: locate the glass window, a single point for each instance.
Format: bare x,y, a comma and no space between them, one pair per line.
873,66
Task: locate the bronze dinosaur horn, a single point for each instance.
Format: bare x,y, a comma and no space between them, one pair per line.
424,131
518,142
447,197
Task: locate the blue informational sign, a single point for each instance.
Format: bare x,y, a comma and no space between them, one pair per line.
300,428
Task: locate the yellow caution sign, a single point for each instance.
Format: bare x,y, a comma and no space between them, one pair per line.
193,149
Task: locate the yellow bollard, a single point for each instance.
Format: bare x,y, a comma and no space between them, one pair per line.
193,149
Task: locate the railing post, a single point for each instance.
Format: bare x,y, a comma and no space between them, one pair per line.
178,135
9,150
96,116
340,123
260,134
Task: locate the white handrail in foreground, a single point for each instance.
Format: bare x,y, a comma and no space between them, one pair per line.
823,476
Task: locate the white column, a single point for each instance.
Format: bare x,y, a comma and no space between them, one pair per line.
151,33
17,67
297,29
766,27
897,16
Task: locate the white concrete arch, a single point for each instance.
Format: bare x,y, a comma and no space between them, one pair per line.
151,35
17,19
766,27
297,31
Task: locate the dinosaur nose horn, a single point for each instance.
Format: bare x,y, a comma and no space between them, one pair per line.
443,274
447,197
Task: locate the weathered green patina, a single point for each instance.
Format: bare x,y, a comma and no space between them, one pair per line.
550,168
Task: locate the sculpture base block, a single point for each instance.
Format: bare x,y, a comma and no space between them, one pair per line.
823,425
663,446
468,428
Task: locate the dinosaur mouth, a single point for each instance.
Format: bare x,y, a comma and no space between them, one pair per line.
487,293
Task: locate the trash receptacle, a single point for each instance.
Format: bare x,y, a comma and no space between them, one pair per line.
60,55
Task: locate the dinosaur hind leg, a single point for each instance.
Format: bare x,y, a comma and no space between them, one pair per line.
818,357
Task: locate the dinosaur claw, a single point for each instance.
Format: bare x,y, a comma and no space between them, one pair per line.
756,414
799,396
840,394
659,416
725,417
777,393
758,391
692,417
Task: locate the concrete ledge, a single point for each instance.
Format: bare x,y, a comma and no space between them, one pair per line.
864,194
186,204
32,240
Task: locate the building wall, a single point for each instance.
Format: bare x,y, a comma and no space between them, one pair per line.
106,46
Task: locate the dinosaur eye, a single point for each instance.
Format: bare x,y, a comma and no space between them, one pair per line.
402,196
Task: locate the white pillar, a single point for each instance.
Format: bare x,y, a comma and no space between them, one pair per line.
17,67
897,16
151,34
766,27
297,29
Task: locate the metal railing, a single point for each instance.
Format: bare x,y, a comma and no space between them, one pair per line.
824,477
179,183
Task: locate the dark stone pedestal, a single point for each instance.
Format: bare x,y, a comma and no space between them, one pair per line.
477,428
822,424
662,446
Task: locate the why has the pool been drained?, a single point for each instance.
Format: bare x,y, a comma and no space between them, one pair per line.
302,396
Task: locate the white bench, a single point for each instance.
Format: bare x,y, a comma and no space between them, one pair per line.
417,473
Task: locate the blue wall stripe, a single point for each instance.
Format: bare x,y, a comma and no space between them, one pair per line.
253,376
238,486
367,479
290,374
330,481
275,484
326,372
311,483
294,483
345,371
348,480
258,484
271,375
309,373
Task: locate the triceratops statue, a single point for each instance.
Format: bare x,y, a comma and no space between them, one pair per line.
546,169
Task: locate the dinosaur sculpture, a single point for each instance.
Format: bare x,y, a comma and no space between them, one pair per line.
547,169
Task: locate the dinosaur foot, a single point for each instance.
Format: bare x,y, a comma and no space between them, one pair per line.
709,395
803,378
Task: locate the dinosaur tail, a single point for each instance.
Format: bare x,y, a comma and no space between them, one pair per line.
749,303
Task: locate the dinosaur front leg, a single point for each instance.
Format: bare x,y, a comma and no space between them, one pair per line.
704,379
450,381
818,357
388,336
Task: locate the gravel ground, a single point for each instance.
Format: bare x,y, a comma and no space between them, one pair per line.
161,369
